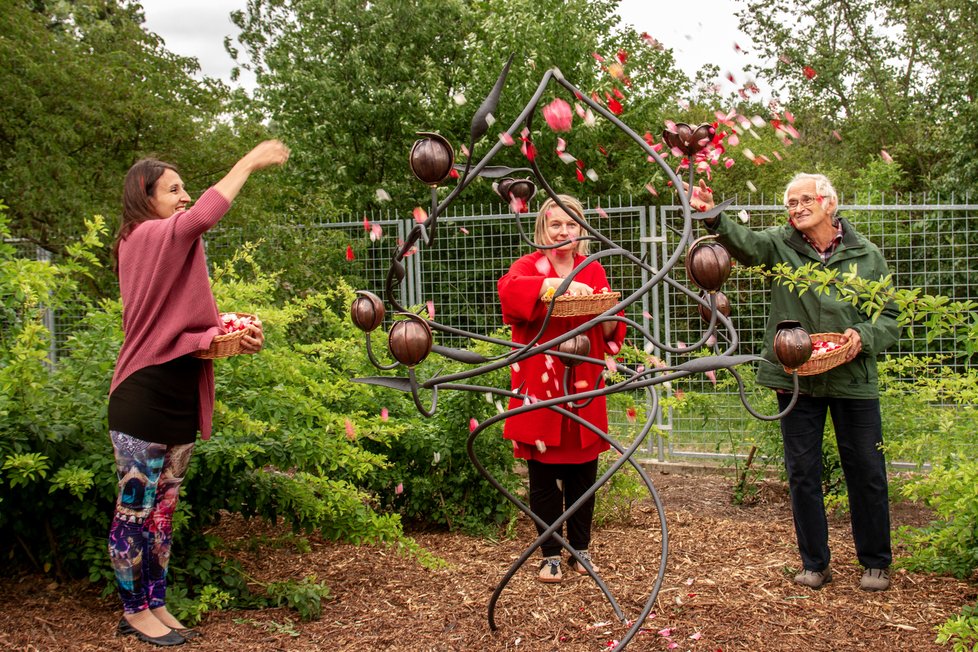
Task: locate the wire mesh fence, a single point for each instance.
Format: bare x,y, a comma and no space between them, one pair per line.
929,245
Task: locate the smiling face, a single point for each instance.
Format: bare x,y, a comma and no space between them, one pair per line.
169,195
561,227
807,210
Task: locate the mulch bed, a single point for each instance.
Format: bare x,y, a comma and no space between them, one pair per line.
728,587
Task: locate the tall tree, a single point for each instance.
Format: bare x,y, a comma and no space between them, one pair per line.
349,82
884,75
87,90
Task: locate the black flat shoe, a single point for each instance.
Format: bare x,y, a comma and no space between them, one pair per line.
173,637
188,633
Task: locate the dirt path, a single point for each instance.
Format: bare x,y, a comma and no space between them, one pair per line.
727,588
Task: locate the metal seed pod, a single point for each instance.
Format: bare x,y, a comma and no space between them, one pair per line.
367,311
432,158
687,139
723,306
580,344
708,264
792,344
410,340
523,189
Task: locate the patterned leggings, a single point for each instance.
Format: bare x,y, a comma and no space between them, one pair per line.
142,528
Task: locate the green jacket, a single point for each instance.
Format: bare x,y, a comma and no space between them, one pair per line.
818,313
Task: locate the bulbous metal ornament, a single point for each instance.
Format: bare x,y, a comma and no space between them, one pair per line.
431,158
708,264
580,344
367,311
410,340
507,188
722,303
687,139
792,344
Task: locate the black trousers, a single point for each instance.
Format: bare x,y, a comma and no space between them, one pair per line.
548,501
859,432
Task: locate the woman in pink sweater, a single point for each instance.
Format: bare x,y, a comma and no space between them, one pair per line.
161,396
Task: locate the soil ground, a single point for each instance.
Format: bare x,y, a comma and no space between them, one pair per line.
727,587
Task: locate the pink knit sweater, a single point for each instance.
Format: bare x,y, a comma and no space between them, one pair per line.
168,309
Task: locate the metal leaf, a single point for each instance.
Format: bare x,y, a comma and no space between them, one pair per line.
479,123
461,355
400,384
494,171
713,212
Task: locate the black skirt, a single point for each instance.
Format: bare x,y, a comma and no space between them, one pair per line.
159,403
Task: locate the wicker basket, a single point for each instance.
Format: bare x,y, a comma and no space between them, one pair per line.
583,305
226,345
819,364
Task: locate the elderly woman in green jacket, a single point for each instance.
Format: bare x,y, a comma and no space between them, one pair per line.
849,392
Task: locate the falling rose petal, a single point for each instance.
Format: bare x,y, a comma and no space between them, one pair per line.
473,424
751,187
622,57
376,232
463,230
382,195
616,70
430,305
672,646
712,375
744,216
601,212
349,253
613,347
665,632
597,57
506,139
592,175
696,636
837,135
728,162
581,384
579,110
810,72
459,98
647,314
517,204
399,489
351,433
490,119
711,341
453,173
558,115
366,223
580,175
749,154
384,414
886,156
589,119
541,446
561,144
420,214
651,189
733,140
737,47
611,364
566,158
671,126
529,150
464,150
630,414
777,155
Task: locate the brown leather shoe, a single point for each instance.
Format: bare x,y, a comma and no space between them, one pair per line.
814,579
875,579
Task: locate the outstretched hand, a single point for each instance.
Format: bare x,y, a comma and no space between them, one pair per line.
701,198
266,154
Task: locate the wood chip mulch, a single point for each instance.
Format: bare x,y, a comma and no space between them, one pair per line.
728,587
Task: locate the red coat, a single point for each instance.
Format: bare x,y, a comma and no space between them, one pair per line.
541,376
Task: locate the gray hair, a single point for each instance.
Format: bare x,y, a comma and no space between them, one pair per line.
823,187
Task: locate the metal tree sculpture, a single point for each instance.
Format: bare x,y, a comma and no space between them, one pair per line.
707,263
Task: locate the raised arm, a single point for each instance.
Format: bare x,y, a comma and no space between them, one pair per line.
265,154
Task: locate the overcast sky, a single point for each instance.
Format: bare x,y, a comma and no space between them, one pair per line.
707,35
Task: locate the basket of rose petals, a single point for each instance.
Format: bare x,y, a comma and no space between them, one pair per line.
828,352
580,305
235,326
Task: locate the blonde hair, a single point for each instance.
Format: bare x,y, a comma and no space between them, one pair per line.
540,229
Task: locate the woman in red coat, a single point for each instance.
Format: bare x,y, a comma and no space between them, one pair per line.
562,457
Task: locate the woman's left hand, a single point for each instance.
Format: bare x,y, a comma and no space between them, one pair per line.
254,339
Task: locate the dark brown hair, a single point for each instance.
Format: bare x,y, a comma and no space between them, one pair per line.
138,188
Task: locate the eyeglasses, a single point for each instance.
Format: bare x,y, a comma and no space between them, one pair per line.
804,202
